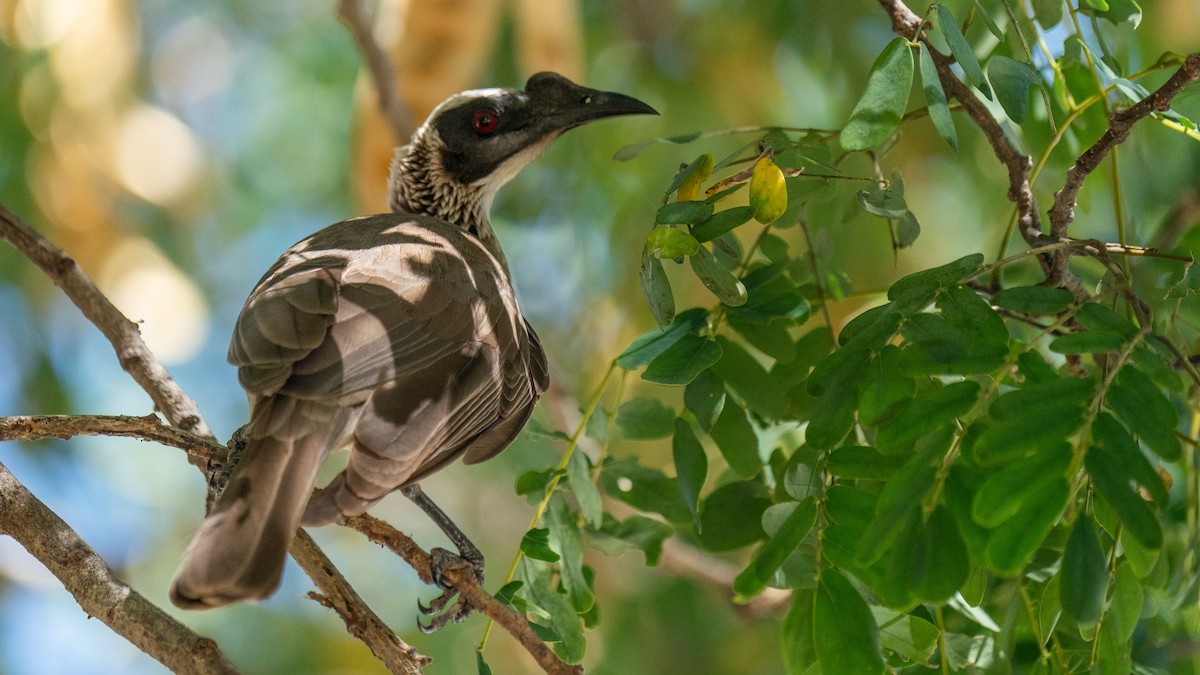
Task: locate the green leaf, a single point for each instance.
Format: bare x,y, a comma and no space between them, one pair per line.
534,482
683,361
657,289
536,544
636,533
717,279
965,310
669,242
1084,574
644,488
773,339
938,347
647,346
882,202
1087,342
1146,411
844,631
1094,316
1126,457
1116,11
579,477
1014,542
908,636
567,541
563,618
1189,284
901,496
907,230
855,462
644,418
1006,490
960,48
1048,12
732,516
768,192
704,397
1137,515
799,649
1125,609
772,555
691,466
744,376
721,222
933,564
1011,80
1034,299
918,289
632,150
688,180
927,412
833,416
885,389
879,110
678,213
988,21
736,439
480,665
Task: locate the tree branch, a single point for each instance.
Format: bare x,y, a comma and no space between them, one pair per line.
179,409
147,428
353,14
469,589
97,590
135,358
1062,213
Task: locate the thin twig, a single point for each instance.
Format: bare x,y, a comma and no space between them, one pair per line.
147,428
353,13
98,591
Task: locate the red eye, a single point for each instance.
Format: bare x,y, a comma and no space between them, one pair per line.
484,121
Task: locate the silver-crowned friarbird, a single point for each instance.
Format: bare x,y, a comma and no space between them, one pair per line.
395,335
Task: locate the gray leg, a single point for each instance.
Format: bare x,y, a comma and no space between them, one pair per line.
440,559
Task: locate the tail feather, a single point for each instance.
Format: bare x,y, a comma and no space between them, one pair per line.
239,551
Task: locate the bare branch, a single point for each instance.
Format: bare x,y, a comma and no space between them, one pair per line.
97,590
132,353
1062,213
147,428
353,13
468,587
361,622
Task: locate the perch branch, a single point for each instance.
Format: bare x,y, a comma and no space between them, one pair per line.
135,358
97,590
468,587
179,409
353,14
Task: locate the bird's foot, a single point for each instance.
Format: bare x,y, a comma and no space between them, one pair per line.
440,562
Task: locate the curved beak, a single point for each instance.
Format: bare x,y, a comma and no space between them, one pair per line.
565,105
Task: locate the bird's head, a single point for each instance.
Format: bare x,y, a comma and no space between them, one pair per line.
476,141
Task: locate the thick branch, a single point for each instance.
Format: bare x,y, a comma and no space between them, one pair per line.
353,13
97,590
1062,213
132,353
468,587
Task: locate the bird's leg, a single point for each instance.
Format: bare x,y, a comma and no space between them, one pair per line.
440,560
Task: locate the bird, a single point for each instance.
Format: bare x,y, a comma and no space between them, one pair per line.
397,336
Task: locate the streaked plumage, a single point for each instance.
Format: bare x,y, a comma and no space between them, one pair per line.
396,335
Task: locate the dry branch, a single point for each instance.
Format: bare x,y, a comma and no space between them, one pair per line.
97,590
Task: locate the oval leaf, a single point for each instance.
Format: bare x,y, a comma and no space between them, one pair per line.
1084,574
768,192
668,242
844,631
683,361
772,555
657,289
878,111
691,466
721,222
935,98
717,279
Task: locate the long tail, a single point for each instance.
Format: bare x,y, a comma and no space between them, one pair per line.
239,551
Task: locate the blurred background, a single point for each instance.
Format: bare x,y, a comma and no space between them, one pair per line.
176,148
